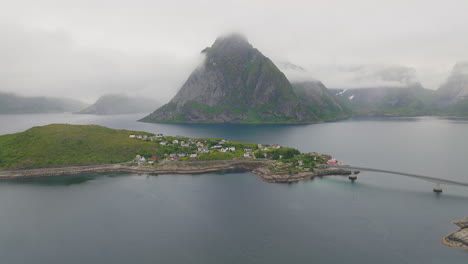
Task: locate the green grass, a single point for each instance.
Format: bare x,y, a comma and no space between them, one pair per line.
67,145
60,144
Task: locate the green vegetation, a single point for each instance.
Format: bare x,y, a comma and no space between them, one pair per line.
59,144
67,145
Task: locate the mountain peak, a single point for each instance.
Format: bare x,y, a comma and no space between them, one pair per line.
236,84
226,44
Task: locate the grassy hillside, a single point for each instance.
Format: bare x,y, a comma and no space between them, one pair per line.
60,144
64,145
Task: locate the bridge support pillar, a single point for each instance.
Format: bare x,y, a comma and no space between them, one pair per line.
352,177
437,189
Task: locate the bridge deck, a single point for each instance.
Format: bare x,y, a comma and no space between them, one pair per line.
421,177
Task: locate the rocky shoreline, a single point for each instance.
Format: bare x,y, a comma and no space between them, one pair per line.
459,238
260,168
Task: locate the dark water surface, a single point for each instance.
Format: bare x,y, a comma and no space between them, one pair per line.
235,217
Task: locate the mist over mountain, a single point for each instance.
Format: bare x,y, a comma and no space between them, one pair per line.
112,104
236,83
14,104
411,100
455,88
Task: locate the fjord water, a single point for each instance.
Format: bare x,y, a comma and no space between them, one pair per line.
235,217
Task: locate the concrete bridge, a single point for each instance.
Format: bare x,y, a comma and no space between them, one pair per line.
437,181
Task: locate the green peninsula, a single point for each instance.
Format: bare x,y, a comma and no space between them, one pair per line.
60,149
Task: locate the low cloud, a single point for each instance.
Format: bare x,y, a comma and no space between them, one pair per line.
51,63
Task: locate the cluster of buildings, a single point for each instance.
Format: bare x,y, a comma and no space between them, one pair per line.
146,137
193,147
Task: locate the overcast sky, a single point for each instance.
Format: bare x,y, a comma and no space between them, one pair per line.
86,48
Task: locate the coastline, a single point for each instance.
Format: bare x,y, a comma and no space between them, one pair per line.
259,168
459,238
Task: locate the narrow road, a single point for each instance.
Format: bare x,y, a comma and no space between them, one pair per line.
421,177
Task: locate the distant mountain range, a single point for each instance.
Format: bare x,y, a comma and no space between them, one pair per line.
450,99
238,84
112,104
15,104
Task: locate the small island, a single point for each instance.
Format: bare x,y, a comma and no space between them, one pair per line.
459,238
62,149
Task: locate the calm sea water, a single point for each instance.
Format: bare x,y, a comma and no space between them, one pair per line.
235,217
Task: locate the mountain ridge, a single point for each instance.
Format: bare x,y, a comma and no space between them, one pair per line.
235,84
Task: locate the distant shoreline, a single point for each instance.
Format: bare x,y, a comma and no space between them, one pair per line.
260,168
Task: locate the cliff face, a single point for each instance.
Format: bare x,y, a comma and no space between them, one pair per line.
235,84
319,100
119,104
456,86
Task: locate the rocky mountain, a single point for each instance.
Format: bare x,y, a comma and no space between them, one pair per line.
235,84
112,104
319,99
409,100
455,87
15,104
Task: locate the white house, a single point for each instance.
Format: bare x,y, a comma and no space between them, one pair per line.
193,155
224,150
175,141
232,148
131,136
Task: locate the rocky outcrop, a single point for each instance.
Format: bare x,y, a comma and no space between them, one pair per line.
267,175
235,84
459,238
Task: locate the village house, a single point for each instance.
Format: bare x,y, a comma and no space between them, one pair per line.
164,143
159,135
132,136
247,155
181,155
199,144
175,141
152,138
224,150
172,155
276,146
217,146
300,162
265,148
232,148
193,155
150,161
203,150
140,159
260,146
248,150
334,162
